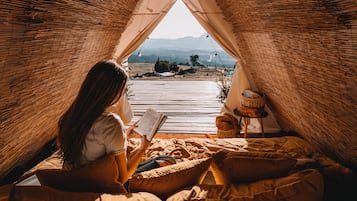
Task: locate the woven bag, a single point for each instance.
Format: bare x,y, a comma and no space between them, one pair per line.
227,126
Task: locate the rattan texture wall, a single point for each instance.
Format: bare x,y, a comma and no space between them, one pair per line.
46,49
302,55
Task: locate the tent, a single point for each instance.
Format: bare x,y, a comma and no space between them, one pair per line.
301,54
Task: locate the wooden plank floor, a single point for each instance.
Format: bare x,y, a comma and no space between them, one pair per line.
191,106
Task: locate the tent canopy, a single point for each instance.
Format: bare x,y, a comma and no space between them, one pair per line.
148,14
301,54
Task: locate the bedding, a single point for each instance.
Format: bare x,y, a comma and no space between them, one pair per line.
44,193
306,185
238,167
190,149
167,180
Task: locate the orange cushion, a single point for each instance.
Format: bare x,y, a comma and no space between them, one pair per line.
98,176
5,191
238,167
305,185
45,193
166,180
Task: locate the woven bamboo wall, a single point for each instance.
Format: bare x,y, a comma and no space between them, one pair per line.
46,48
302,54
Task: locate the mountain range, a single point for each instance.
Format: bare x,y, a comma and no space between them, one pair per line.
204,42
179,50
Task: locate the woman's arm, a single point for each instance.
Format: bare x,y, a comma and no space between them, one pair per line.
128,166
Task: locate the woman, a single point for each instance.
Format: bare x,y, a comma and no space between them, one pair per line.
88,130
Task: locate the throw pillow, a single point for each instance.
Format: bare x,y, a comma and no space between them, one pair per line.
236,167
166,180
99,176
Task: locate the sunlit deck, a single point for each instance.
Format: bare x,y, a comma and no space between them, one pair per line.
191,106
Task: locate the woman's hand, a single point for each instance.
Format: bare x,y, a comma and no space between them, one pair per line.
130,131
144,143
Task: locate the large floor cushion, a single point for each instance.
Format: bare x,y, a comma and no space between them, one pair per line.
44,193
305,185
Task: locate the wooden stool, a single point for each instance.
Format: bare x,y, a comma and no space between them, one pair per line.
247,113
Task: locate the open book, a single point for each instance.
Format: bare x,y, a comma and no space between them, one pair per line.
150,123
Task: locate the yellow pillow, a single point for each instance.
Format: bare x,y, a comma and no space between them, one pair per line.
237,167
166,180
99,176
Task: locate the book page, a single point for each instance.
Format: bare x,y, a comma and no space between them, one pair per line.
149,123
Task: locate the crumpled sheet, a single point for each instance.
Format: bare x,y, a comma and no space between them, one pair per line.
196,148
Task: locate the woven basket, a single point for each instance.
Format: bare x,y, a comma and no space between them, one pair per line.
253,102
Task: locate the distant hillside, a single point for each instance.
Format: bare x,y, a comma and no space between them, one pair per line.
179,51
203,42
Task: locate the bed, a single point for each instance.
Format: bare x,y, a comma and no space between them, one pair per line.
277,168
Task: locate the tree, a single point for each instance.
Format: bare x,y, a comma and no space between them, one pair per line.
194,60
162,66
174,67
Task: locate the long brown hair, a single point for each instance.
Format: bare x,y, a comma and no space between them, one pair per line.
101,88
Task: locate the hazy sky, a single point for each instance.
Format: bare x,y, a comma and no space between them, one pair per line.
178,23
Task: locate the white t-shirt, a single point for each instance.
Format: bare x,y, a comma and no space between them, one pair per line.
107,135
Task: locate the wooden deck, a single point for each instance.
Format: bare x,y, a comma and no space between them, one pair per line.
191,106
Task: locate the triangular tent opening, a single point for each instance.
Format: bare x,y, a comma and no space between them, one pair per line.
147,16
